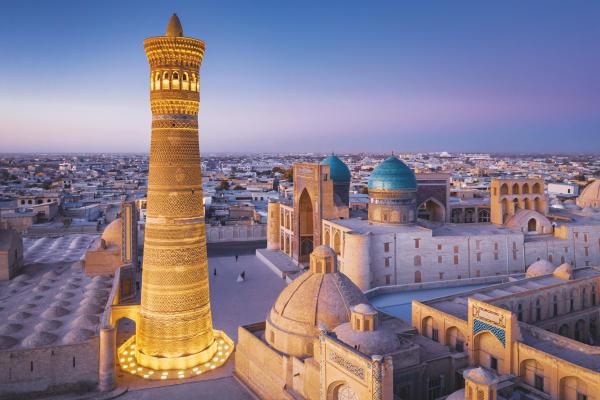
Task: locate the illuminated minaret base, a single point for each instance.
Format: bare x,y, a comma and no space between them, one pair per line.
174,332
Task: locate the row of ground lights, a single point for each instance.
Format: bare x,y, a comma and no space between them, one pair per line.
128,364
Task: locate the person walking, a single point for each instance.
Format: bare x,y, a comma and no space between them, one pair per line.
215,272
236,258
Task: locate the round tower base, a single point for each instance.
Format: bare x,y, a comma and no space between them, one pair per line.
163,368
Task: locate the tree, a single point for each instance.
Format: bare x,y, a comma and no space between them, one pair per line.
239,187
223,185
288,175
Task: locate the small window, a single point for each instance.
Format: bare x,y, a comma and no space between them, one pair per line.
439,247
440,259
539,382
455,260
386,261
417,243
388,279
386,247
494,363
434,334
417,261
460,346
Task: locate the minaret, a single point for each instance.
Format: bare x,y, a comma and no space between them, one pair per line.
174,324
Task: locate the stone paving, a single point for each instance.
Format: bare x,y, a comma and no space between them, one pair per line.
233,304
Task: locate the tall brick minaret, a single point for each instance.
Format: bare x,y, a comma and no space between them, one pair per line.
174,328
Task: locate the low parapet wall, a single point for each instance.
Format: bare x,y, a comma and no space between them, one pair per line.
439,284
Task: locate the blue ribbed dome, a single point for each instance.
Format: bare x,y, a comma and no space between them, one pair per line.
392,174
337,169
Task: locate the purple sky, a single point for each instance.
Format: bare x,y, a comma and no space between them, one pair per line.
306,76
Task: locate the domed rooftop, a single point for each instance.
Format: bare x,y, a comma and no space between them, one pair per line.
590,196
564,271
392,174
364,308
113,233
320,298
538,268
480,375
381,341
338,170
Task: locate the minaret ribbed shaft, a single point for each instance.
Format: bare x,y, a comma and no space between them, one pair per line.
175,318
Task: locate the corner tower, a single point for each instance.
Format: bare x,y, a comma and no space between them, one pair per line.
174,324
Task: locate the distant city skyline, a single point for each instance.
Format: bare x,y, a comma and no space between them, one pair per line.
284,77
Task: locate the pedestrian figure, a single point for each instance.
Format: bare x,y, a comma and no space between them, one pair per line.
215,272
241,277
236,258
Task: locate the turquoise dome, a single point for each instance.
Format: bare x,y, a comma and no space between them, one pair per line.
392,174
337,169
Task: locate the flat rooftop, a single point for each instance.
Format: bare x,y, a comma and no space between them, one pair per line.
457,305
363,226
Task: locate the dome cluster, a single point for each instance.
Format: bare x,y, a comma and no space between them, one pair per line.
545,267
392,190
318,299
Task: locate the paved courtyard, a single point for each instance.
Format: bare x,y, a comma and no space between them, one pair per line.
233,304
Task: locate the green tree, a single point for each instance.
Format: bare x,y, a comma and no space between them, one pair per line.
223,185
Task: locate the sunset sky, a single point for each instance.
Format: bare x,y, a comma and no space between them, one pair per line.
282,76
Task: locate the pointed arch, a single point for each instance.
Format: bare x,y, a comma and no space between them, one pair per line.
433,210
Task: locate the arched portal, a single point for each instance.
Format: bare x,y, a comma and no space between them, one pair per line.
432,210
337,243
483,216
485,348
305,226
580,331
341,391
573,388
455,340
515,188
532,225
564,330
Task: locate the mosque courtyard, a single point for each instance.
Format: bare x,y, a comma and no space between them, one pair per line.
233,304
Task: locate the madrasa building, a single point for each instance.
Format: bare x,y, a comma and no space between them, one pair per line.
531,337
407,236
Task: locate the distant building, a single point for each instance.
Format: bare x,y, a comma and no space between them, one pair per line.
11,254
563,189
535,338
408,237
